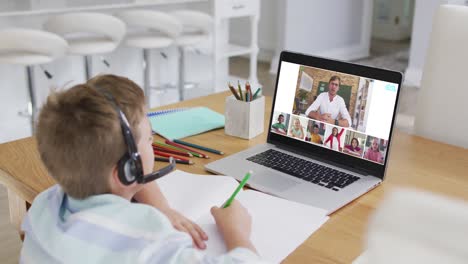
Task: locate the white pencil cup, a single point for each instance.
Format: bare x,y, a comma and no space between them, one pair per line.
244,119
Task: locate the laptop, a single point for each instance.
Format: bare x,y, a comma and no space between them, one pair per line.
329,133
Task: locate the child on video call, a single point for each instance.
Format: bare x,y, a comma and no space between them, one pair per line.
280,127
89,216
353,148
333,141
313,134
373,152
296,129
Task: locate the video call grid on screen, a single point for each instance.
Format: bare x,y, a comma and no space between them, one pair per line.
366,104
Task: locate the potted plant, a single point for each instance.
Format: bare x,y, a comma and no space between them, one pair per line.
303,94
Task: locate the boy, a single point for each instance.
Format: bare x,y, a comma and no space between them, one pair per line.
89,217
280,127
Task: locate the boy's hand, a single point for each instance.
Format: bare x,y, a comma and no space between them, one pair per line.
183,224
235,224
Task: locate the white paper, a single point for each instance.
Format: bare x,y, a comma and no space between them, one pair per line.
194,195
279,226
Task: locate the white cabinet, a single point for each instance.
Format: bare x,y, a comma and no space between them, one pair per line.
224,11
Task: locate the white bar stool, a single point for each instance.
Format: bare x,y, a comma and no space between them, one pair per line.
30,47
197,27
88,34
149,30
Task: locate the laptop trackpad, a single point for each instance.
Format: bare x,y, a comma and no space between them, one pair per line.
271,181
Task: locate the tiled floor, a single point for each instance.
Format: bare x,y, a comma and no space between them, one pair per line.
388,55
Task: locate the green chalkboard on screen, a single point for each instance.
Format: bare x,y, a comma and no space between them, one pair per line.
345,91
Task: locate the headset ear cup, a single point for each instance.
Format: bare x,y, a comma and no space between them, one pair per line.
126,170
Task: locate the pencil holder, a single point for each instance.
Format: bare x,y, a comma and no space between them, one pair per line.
244,119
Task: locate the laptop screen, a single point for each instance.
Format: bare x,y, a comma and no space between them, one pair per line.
348,114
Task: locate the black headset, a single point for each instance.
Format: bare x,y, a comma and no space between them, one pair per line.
130,167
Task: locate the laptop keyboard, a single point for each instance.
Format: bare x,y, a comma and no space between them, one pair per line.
304,169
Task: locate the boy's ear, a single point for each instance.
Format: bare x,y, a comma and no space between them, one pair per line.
115,184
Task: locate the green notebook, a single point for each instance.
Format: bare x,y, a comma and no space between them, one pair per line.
181,124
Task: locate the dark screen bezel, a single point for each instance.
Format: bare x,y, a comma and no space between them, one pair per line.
322,153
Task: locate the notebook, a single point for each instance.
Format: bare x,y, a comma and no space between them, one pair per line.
164,112
278,226
188,122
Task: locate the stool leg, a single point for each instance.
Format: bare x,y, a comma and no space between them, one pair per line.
88,62
181,80
146,76
32,94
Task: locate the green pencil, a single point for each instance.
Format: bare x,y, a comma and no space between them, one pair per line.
241,185
240,91
198,147
256,93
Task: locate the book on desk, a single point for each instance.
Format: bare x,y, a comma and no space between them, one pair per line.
184,122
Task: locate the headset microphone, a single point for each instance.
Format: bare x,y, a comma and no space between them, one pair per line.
159,173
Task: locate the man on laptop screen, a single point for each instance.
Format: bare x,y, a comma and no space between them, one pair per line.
329,107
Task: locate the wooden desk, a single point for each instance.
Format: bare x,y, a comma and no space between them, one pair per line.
414,162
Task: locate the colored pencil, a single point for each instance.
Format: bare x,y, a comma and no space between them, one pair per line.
240,91
239,187
176,160
249,89
198,147
189,155
168,155
180,153
195,154
164,145
233,91
256,93
184,147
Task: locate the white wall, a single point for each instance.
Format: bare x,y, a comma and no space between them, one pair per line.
424,11
316,26
333,28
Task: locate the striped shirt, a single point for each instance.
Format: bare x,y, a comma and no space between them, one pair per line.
108,229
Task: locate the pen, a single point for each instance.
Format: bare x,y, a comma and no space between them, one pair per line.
241,185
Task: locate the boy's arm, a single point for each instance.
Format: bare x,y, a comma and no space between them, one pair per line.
234,224
151,194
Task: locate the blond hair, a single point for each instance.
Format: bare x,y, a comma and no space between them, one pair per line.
79,135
